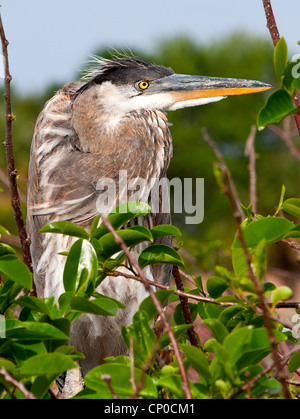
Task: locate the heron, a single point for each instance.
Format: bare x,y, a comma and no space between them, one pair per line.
93,129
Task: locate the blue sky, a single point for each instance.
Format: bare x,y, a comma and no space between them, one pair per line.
50,40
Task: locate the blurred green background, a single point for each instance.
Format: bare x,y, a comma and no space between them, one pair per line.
228,122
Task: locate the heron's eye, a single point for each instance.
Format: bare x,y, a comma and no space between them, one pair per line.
143,85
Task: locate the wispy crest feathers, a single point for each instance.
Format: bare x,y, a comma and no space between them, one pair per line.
99,65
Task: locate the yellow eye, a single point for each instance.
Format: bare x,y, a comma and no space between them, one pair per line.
143,85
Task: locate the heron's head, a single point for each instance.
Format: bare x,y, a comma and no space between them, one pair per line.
126,84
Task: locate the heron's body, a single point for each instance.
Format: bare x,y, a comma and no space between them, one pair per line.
89,131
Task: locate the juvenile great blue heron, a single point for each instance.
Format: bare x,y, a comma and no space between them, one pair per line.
92,130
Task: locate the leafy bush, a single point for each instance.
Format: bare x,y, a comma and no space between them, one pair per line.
35,350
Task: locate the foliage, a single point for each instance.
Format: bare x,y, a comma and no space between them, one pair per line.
280,104
35,348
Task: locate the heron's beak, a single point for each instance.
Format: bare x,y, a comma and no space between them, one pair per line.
187,90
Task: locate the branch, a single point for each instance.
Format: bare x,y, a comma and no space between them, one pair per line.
258,288
8,144
136,266
16,384
273,29
185,308
292,243
221,159
286,138
250,152
283,304
107,379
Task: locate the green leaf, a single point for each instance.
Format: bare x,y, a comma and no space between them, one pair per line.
292,206
260,259
81,267
238,342
296,81
119,217
278,106
15,269
259,347
282,293
165,230
216,286
65,227
294,362
52,363
198,360
173,384
280,58
36,304
144,334
148,306
5,249
100,306
160,254
178,313
282,195
288,78
131,236
16,329
229,312
269,229
4,231
217,328
294,233
120,381
178,330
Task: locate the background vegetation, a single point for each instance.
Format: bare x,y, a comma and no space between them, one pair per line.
228,123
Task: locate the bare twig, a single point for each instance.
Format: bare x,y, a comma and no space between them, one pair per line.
285,136
4,179
16,384
185,308
11,240
292,243
250,152
221,159
273,29
132,375
284,304
8,144
107,379
136,266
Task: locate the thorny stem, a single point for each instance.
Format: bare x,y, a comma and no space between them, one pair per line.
8,144
274,32
136,266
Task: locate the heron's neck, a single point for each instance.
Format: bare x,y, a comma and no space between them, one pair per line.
102,130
